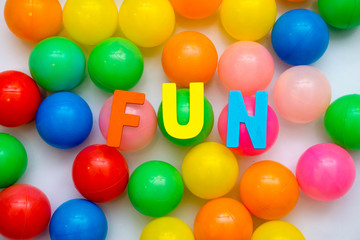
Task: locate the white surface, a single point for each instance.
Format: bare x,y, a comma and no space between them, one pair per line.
50,169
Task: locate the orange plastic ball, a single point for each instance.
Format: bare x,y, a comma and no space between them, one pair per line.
269,190
195,9
225,219
33,20
189,57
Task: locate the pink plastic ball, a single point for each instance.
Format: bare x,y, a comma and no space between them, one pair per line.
325,172
302,94
246,66
133,138
245,145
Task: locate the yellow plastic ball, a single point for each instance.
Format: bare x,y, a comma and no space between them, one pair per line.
210,170
147,23
167,228
90,21
277,230
248,20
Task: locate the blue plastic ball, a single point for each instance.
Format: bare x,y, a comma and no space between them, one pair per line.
64,120
78,219
300,37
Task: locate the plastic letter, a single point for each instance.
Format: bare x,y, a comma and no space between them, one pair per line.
255,125
196,119
119,118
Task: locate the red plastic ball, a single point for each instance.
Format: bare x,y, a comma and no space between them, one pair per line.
24,212
100,173
19,98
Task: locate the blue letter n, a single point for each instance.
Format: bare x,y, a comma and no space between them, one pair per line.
255,125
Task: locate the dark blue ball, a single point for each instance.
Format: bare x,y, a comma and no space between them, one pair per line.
300,37
78,219
64,120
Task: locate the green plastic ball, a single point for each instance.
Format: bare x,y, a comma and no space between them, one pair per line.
183,109
155,188
343,14
57,64
13,160
342,121
115,64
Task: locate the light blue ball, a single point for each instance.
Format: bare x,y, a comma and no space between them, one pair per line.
64,120
300,37
78,219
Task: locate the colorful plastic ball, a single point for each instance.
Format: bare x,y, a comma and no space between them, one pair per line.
325,172
147,23
183,115
13,160
115,64
33,21
269,190
25,212
100,173
64,120
167,228
300,37
245,145
343,14
19,98
90,21
248,20
302,94
131,140
78,219
342,121
195,9
210,170
247,67
223,218
275,230
57,64
189,57
155,188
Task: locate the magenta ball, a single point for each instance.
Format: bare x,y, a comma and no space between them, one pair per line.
325,172
133,138
302,94
245,145
246,66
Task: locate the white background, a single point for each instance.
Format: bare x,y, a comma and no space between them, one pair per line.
50,169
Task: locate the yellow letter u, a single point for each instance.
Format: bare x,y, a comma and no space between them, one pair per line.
196,118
